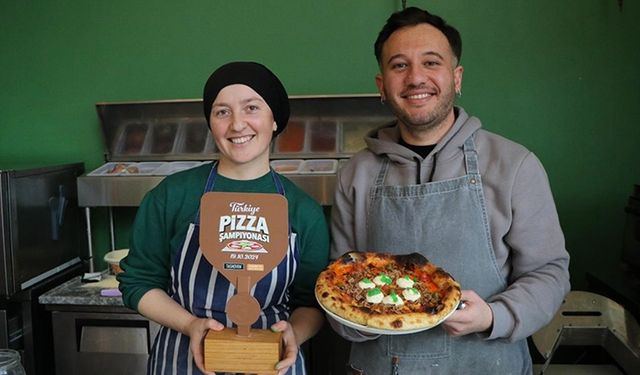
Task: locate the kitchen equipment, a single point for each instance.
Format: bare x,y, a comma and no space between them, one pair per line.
631,244
157,138
40,222
146,141
95,334
41,242
590,319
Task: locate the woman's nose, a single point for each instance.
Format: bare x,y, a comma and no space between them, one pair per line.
237,123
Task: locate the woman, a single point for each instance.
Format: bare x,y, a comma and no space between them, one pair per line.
246,106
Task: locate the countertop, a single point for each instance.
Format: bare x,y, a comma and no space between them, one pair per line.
76,293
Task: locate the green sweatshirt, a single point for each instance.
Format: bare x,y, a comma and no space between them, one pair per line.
163,218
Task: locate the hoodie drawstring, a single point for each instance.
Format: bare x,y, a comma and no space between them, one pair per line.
433,169
419,169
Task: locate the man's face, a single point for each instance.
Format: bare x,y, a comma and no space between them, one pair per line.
419,78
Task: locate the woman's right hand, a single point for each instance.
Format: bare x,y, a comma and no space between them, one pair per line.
196,330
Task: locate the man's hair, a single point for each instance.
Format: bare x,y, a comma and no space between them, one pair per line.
413,16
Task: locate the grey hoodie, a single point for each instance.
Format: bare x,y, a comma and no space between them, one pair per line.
525,230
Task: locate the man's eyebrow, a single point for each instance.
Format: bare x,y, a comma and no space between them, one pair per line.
427,53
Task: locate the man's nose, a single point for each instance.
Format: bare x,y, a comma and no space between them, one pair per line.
415,76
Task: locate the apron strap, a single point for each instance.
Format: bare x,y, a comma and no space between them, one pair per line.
470,162
211,180
471,156
382,173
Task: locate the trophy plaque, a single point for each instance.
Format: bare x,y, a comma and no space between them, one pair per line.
244,236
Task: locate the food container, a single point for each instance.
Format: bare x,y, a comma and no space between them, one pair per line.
176,166
318,166
194,136
292,138
353,133
113,258
132,139
163,138
323,136
127,169
286,166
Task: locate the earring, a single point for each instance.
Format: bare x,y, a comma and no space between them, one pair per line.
382,99
459,92
275,126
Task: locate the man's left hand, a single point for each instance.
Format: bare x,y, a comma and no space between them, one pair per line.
476,316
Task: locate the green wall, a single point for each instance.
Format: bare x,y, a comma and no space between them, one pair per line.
558,76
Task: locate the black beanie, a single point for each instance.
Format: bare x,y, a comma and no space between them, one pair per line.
256,76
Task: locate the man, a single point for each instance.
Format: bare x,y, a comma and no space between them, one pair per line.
474,203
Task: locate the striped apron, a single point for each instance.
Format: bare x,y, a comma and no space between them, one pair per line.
198,287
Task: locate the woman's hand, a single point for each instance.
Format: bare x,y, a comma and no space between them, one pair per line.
290,346
476,316
196,330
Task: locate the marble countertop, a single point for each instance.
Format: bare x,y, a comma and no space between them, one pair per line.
75,292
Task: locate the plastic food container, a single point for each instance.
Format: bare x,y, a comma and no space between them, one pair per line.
113,258
286,166
176,166
194,137
134,138
319,166
323,136
163,139
127,169
292,138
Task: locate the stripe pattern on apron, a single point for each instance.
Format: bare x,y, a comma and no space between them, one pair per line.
201,290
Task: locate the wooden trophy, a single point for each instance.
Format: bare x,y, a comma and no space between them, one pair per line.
244,236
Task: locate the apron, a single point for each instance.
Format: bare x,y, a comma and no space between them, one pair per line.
198,287
446,221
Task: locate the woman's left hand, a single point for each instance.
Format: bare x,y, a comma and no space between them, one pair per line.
290,346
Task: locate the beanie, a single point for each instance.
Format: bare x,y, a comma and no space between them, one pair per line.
256,76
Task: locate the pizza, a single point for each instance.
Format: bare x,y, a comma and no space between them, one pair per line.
390,292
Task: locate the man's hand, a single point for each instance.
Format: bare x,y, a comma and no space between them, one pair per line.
476,316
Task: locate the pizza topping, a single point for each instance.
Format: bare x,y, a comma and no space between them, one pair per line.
411,294
405,282
382,279
366,284
375,296
393,299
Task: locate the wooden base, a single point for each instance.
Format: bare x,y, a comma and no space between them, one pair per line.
225,351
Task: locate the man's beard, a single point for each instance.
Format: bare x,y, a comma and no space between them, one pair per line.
425,122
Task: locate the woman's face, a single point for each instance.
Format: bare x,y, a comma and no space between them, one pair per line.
242,126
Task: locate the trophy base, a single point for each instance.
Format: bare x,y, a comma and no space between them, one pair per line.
225,351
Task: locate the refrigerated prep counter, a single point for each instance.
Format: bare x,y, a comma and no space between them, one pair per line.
146,141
